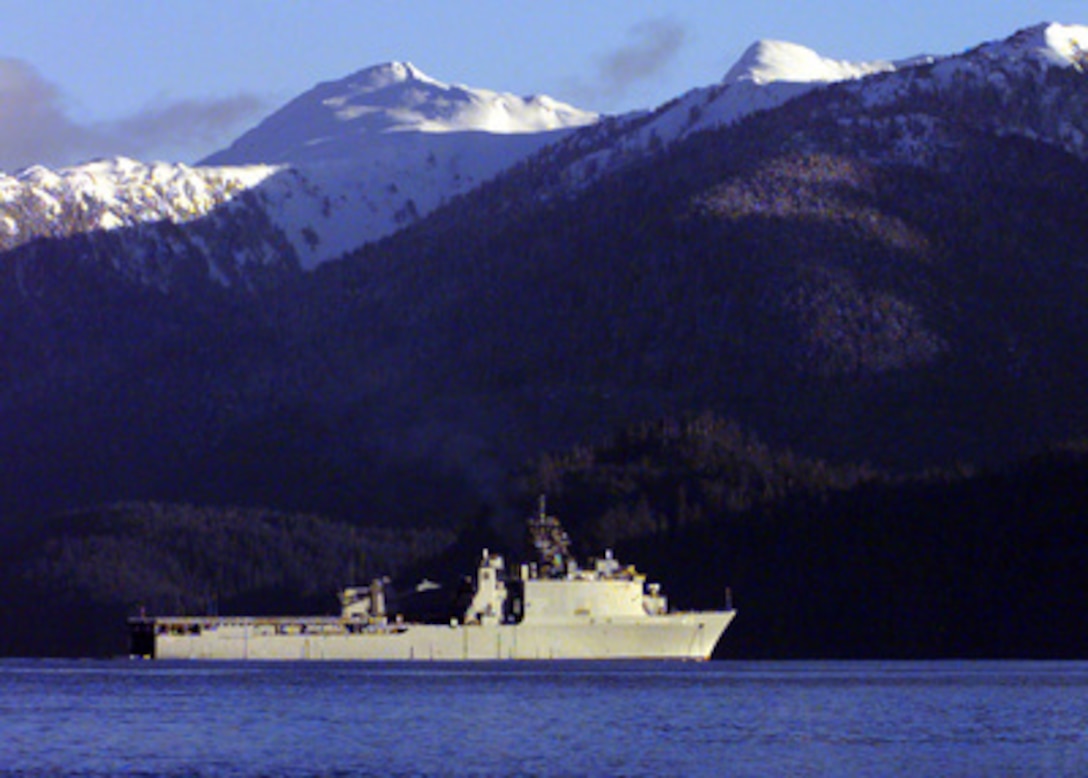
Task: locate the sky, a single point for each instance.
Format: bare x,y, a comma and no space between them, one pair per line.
176,80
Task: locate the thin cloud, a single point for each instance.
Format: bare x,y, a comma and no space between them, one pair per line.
35,127
651,46
185,123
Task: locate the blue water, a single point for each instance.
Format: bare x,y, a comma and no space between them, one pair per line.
91,718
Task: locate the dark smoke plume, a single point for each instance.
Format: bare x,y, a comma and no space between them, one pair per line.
651,47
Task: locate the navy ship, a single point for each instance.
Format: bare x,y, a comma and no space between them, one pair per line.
552,609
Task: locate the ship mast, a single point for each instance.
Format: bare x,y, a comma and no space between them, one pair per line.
551,541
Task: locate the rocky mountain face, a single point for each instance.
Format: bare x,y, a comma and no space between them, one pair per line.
151,224
875,263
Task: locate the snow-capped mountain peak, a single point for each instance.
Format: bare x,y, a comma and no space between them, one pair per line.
341,120
386,74
769,61
399,97
372,152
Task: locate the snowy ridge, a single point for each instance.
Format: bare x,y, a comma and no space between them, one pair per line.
354,160
346,163
1049,43
1012,73
1034,49
109,194
771,73
120,213
768,75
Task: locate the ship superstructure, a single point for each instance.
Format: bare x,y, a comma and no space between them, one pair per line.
553,609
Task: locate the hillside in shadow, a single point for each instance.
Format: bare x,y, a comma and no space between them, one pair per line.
791,272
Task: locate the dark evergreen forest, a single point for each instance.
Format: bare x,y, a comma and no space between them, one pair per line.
70,581
821,560
842,561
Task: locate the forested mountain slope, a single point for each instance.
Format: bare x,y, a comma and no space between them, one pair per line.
886,270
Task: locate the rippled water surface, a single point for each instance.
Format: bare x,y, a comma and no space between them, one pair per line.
547,719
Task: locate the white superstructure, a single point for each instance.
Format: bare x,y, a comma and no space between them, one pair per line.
553,611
